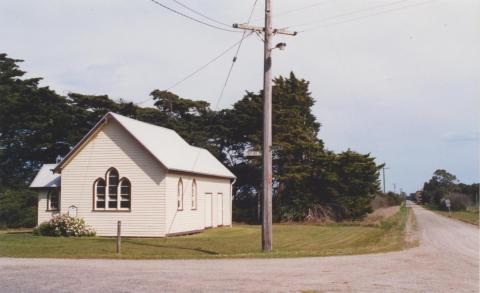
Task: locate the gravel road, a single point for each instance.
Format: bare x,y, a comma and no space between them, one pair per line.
447,260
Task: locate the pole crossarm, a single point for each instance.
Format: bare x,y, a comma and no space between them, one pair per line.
279,31
267,179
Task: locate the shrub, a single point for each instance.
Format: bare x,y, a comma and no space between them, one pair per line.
64,225
383,200
42,229
18,208
458,201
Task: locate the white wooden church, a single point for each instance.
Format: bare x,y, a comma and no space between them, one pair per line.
144,175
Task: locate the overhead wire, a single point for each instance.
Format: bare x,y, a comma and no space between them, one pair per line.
259,35
353,12
201,14
286,12
192,18
208,63
236,54
202,67
365,16
217,104
244,36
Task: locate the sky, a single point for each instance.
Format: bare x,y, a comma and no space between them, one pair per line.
397,79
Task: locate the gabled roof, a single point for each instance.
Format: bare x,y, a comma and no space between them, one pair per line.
46,178
164,144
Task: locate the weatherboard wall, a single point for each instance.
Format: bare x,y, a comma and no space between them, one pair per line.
190,219
110,147
44,214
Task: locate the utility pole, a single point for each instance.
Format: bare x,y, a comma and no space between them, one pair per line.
383,169
267,117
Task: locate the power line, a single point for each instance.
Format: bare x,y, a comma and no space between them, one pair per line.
295,9
201,14
348,13
201,67
217,104
367,16
208,63
259,37
236,55
192,18
267,170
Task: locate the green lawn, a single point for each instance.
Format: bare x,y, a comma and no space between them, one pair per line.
469,217
289,240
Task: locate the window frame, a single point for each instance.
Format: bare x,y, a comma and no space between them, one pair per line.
194,194
49,200
107,189
95,194
120,194
180,193
106,181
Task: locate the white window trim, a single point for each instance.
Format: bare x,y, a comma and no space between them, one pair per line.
194,194
107,192
180,193
96,195
49,201
119,194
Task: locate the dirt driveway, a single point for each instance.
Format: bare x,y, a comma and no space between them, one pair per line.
446,261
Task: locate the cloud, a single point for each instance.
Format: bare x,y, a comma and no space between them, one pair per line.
403,85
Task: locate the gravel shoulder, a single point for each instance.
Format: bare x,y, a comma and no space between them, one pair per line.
447,260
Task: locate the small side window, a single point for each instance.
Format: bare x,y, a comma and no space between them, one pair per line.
53,200
180,195
194,194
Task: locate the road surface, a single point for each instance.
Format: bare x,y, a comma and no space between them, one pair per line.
447,260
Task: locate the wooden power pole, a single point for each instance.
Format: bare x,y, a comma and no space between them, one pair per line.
267,118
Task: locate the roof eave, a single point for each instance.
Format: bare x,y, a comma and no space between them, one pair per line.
77,147
203,173
43,187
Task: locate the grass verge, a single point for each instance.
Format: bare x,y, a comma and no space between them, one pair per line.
240,241
471,217
468,217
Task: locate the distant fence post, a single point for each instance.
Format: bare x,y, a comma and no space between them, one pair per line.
119,237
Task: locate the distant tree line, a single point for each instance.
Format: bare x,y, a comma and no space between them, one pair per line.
37,125
444,185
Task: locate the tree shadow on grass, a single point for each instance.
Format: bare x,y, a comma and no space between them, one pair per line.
209,252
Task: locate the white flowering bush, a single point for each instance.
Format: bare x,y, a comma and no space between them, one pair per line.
64,225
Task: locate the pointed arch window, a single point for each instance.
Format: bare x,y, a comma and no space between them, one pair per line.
112,181
99,189
180,195
125,193
194,194
112,192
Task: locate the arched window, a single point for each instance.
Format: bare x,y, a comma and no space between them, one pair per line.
53,200
99,189
180,195
194,194
111,192
125,193
112,182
